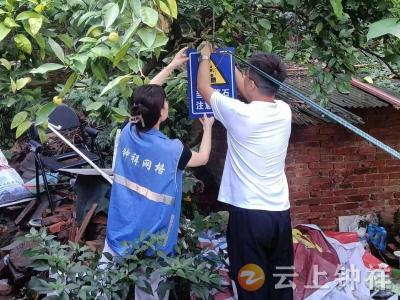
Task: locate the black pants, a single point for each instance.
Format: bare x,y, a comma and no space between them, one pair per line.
261,238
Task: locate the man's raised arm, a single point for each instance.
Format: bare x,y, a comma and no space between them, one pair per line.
203,75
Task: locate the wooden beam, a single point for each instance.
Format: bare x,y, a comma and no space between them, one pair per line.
85,223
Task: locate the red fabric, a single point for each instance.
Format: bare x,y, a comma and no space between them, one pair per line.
343,237
306,257
373,263
370,261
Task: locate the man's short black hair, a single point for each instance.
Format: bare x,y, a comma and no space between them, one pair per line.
271,64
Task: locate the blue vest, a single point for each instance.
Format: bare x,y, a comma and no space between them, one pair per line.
147,190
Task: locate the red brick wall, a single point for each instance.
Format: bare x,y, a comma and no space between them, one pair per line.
332,172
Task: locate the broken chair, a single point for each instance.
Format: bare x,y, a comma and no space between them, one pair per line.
66,118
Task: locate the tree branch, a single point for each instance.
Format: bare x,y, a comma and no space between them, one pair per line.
382,59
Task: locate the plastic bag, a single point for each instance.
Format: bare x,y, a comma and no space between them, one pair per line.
11,184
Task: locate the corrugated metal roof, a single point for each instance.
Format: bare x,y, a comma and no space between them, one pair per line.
339,103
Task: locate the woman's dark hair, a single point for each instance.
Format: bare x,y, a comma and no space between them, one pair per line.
271,64
148,100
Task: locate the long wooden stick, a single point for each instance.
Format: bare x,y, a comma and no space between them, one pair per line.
55,130
85,223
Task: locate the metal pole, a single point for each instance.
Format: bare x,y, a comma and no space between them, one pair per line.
55,129
325,112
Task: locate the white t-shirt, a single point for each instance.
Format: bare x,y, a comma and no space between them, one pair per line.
258,136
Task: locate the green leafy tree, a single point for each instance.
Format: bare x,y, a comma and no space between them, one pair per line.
71,39
328,36
118,44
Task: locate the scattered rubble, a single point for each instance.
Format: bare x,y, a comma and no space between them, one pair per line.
15,268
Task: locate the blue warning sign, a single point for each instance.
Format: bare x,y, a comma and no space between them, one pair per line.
222,73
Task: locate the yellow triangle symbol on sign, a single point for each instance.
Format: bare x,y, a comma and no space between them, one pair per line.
216,75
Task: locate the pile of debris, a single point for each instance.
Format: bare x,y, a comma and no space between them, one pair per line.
62,223
15,268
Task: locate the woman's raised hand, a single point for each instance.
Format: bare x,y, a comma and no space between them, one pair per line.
179,59
207,122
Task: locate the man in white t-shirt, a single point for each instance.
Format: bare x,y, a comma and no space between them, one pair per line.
254,183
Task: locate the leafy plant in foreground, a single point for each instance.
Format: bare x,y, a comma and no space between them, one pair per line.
76,273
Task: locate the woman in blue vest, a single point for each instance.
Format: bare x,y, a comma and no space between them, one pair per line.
147,190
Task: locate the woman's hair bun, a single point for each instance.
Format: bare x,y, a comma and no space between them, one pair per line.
139,109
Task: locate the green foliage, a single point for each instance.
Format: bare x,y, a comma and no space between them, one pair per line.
381,78
386,32
43,37
106,112
191,229
6,141
338,9
383,27
119,43
178,123
81,277
329,36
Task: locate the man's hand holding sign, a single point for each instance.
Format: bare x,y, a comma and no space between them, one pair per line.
204,79
220,69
